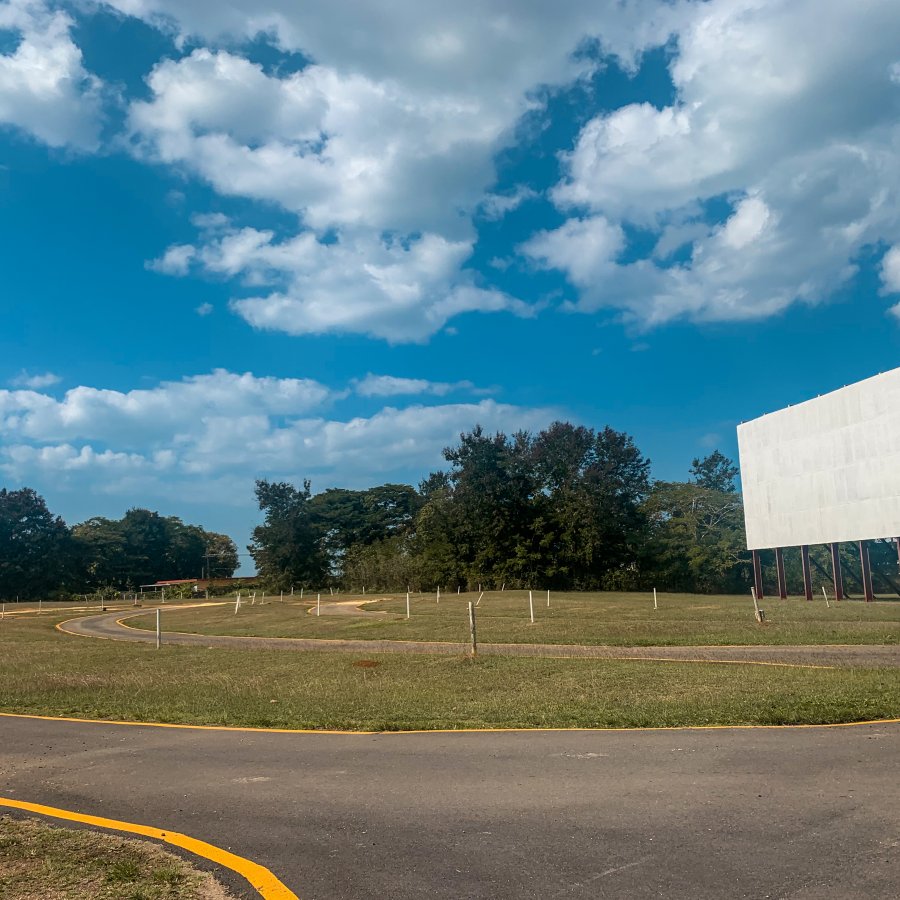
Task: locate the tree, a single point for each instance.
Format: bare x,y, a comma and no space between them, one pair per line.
716,472
696,540
36,551
287,548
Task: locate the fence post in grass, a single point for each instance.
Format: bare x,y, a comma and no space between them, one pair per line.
548,599
825,595
40,605
654,599
757,611
479,598
318,604
292,590
301,593
531,607
237,603
438,595
407,604
282,596
502,587
158,632
472,628
457,590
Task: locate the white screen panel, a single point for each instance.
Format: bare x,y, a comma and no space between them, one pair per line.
825,470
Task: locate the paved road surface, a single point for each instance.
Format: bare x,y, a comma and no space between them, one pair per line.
107,626
804,813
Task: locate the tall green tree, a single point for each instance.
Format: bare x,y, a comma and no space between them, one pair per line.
288,548
36,550
715,472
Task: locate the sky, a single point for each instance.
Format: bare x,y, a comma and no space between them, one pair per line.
262,239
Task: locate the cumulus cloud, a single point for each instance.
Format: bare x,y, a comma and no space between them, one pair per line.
228,429
798,136
391,129
44,87
400,290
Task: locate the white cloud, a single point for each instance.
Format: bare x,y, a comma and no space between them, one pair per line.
229,429
890,270
175,261
140,418
204,309
44,88
799,136
391,386
397,290
392,129
496,206
35,382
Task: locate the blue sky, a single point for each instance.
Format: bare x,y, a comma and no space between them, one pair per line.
256,241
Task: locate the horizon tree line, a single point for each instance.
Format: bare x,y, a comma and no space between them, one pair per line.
568,508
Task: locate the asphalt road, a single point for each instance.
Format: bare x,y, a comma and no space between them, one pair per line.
107,626
811,813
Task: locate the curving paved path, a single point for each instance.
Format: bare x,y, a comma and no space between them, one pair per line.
800,813
107,626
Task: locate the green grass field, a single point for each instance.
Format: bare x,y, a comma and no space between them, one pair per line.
43,671
573,618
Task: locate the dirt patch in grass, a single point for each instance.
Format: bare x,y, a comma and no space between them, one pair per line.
46,862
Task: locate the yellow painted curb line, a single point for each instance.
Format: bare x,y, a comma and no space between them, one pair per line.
399,732
268,886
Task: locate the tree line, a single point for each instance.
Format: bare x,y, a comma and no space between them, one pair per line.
41,556
568,508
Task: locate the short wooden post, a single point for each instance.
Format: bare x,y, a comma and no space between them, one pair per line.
407,604
472,628
531,607
654,599
158,631
318,604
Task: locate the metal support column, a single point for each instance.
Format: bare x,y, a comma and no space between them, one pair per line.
836,569
807,577
779,569
757,575
898,549
866,570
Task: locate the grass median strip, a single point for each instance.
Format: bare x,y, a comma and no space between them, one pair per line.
48,673
38,861
614,619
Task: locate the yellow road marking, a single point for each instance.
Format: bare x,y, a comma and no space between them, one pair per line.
399,732
268,886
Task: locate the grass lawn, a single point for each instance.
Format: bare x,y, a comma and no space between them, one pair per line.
40,861
617,619
45,672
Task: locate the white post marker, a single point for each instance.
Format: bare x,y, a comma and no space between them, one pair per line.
548,599
755,604
282,596
237,604
439,595
301,593
472,628
503,587
158,632
457,590
332,591
654,599
318,604
825,595
531,607
40,604
292,590
479,598
407,604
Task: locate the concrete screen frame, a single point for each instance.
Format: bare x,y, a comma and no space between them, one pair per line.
824,471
